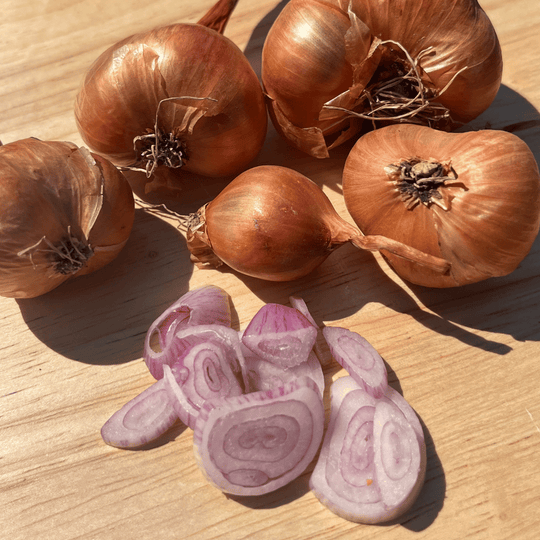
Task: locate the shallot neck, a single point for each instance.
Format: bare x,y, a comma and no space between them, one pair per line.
420,182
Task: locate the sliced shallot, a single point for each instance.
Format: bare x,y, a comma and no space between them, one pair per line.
373,459
358,357
141,420
256,443
264,375
204,305
206,370
280,334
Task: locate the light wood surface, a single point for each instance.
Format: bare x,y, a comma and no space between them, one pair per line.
468,359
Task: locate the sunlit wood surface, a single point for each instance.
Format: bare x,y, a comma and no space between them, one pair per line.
468,360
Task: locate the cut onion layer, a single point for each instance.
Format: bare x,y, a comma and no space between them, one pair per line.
355,354
280,334
205,305
263,375
141,420
373,459
256,443
205,370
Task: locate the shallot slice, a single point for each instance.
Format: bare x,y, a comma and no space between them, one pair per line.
373,459
256,443
300,304
206,370
186,411
201,306
355,354
280,334
264,375
141,420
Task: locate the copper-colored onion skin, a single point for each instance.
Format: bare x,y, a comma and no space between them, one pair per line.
494,206
461,35
316,68
120,94
48,190
309,41
274,223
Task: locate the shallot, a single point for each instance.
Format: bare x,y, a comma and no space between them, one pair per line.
472,198
203,305
176,98
259,442
373,459
142,419
257,412
64,212
357,356
276,224
208,366
281,335
328,66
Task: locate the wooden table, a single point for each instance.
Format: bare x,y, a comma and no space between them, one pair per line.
467,359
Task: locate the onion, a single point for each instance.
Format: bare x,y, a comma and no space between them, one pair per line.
142,420
259,442
201,306
274,223
326,66
357,356
280,335
373,458
64,212
177,98
471,198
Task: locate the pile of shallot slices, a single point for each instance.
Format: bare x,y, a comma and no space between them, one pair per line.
254,400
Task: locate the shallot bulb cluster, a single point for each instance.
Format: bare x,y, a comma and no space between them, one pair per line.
328,66
64,212
471,198
177,98
254,400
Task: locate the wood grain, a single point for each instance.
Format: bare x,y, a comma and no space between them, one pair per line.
468,359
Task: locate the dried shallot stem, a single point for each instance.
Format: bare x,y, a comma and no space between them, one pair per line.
378,243
218,16
387,103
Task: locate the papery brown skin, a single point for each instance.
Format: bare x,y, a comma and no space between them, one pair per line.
322,41
48,191
276,224
120,94
493,214
272,223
